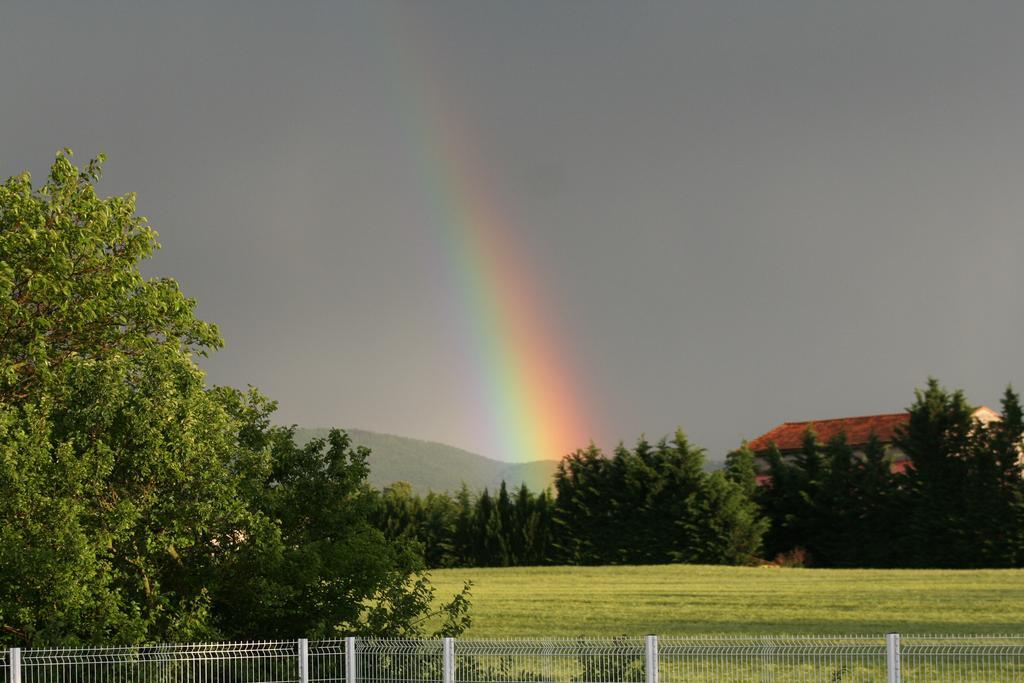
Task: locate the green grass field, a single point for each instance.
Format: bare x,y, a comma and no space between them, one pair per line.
681,599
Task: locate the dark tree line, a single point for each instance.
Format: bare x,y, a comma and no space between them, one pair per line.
959,502
652,504
488,530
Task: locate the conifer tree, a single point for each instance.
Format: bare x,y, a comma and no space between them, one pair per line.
578,505
653,504
741,469
994,488
938,439
463,544
782,500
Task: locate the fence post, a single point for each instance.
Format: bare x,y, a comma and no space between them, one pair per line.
651,658
350,659
303,660
449,660
14,664
892,657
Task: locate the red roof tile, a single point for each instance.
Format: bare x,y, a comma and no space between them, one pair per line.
789,436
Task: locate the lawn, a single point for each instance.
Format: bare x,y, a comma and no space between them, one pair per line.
683,599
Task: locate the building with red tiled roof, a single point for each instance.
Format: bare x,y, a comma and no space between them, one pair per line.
788,437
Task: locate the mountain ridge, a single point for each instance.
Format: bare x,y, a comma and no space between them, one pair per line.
434,466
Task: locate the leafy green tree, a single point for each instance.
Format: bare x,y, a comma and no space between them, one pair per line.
109,439
70,289
136,504
323,569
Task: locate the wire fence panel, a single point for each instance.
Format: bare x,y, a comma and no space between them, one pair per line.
327,661
764,659
956,659
263,662
590,660
382,660
725,659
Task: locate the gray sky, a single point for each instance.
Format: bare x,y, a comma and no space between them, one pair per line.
736,213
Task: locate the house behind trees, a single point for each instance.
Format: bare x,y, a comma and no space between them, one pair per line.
788,437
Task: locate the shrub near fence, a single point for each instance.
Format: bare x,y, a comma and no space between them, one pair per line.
732,659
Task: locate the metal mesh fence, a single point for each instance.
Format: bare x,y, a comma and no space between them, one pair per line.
613,660
857,659
956,659
726,659
381,660
258,662
327,661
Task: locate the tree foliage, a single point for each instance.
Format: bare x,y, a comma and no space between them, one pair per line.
652,504
958,502
962,499
469,531
136,503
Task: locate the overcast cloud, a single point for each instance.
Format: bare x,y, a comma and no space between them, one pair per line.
742,212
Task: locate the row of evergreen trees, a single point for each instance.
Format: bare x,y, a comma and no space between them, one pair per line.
652,504
501,530
959,504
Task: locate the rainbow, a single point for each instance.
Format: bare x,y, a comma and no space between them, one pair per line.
528,405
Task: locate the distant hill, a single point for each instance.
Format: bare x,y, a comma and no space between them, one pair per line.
431,466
